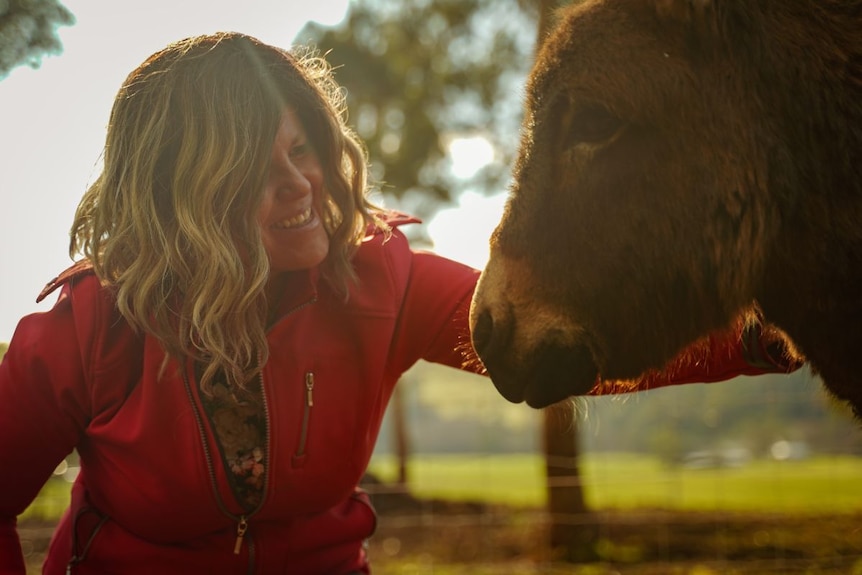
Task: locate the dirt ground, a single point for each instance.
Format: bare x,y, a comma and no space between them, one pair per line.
433,536
437,537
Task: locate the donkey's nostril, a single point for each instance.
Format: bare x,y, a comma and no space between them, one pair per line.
482,332
492,341
492,336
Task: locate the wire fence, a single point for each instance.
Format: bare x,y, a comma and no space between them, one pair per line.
752,476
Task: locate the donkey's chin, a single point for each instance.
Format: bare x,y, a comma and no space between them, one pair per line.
546,376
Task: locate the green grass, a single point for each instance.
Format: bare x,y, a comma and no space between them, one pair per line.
51,501
509,479
628,481
821,485
789,534
611,481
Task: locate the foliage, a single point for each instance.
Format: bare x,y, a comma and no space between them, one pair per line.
750,413
3,348
451,412
28,31
420,73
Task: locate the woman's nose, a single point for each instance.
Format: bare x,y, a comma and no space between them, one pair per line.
292,181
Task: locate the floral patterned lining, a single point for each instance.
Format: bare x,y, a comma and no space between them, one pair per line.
239,424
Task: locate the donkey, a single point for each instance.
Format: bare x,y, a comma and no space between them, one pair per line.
681,163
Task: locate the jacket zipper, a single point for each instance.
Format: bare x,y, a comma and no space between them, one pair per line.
306,413
241,520
309,394
241,528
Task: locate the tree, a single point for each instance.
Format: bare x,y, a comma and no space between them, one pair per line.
572,531
416,75
28,31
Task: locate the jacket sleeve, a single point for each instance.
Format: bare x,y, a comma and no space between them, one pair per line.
434,318
749,347
42,414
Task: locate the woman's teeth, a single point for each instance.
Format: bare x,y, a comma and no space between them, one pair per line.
296,221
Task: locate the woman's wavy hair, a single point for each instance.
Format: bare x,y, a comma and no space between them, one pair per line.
170,223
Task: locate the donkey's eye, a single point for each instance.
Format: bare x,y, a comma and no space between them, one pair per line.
591,124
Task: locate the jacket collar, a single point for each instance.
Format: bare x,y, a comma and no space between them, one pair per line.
300,289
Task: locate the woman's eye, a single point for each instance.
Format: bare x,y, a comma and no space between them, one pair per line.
299,150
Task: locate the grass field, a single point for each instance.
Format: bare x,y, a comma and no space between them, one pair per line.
478,514
617,481
766,518
629,481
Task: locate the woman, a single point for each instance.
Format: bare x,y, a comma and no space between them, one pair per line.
222,356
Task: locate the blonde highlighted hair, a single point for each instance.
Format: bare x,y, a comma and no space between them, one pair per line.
170,223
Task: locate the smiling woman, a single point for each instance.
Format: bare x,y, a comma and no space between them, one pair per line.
66,133
237,325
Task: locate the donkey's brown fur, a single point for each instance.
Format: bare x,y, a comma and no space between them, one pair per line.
681,162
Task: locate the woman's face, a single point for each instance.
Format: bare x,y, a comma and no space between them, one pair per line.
289,215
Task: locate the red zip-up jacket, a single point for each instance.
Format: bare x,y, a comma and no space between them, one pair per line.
152,495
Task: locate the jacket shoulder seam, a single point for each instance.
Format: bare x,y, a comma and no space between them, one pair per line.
78,269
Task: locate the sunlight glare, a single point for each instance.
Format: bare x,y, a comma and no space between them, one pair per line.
469,155
462,233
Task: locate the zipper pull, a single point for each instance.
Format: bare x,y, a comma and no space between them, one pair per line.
241,528
309,385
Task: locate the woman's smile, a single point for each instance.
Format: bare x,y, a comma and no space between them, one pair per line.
296,221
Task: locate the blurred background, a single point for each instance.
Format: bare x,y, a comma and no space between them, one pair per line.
754,475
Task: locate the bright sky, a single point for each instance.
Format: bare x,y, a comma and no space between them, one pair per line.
52,128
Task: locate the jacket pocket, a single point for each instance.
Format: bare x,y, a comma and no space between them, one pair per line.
299,456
